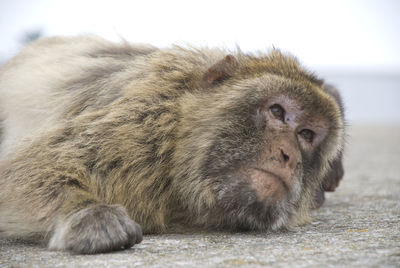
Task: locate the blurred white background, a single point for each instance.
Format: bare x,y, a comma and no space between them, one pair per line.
353,44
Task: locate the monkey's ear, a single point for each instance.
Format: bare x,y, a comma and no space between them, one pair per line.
220,71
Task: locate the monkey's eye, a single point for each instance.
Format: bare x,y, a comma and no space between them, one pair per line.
308,135
277,111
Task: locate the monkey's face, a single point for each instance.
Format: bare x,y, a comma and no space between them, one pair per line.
256,150
278,151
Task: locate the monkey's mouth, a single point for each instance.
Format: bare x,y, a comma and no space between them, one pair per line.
267,185
279,178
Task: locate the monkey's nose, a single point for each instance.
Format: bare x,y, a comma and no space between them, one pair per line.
285,156
289,157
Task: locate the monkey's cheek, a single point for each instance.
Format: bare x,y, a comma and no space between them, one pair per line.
267,187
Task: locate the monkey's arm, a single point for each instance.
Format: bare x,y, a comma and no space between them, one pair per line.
330,181
336,171
335,174
48,193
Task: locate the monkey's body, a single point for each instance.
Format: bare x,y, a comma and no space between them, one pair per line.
89,128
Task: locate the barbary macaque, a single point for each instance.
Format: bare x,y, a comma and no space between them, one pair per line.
101,141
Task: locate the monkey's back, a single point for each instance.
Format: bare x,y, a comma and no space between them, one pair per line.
56,78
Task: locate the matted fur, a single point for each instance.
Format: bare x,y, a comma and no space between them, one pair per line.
86,122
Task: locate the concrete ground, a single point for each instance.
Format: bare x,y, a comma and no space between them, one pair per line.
359,226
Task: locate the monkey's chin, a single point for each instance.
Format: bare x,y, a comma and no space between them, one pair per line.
264,216
243,206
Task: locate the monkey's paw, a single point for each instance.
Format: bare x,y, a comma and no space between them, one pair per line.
102,228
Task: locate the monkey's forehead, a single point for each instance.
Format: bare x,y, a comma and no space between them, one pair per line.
307,94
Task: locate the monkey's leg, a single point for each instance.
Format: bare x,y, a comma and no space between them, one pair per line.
53,200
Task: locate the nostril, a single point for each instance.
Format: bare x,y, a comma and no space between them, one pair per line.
285,156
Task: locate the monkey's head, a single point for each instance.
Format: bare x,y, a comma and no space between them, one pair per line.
254,141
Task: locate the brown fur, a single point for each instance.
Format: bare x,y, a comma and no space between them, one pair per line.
140,127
